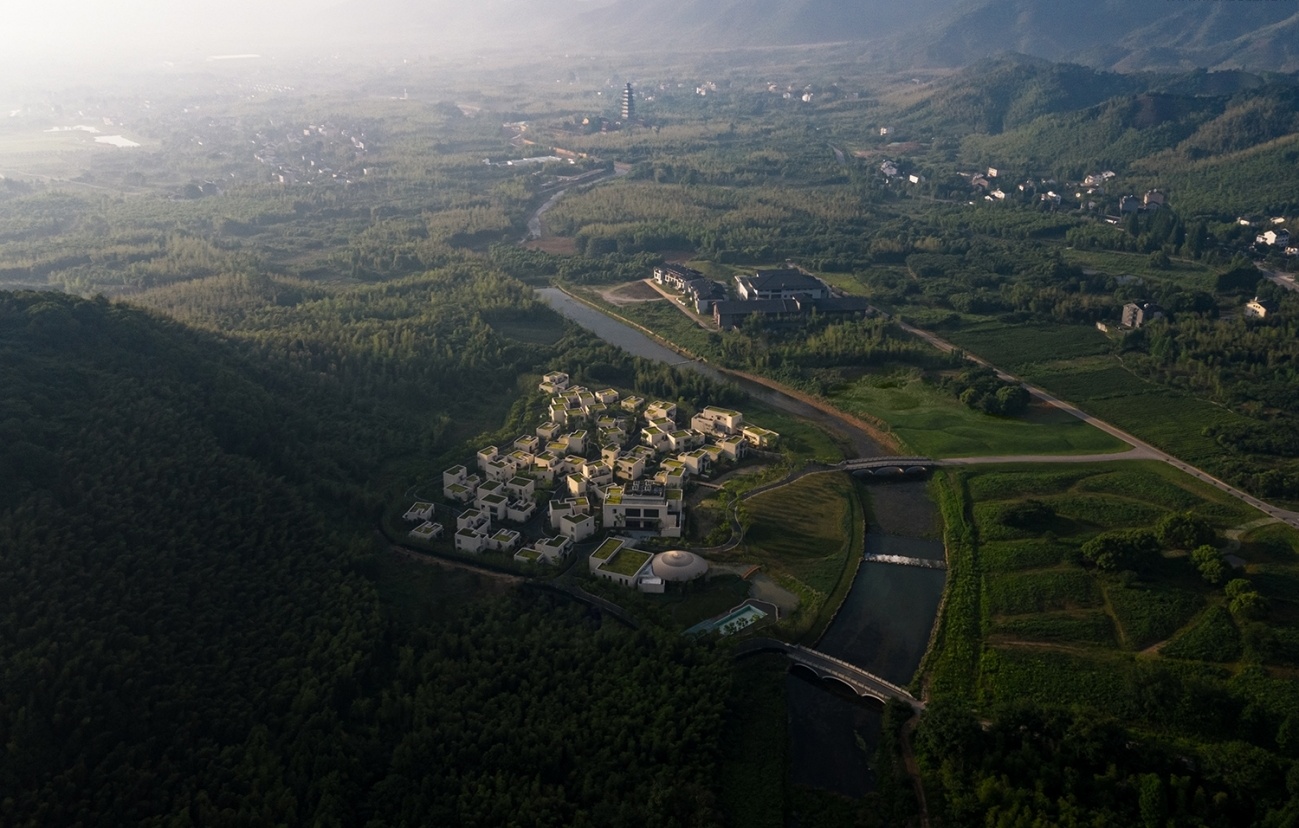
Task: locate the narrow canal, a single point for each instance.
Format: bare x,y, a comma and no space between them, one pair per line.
885,621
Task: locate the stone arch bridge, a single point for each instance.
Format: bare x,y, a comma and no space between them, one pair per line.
829,668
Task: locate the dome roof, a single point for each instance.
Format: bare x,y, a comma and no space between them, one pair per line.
678,565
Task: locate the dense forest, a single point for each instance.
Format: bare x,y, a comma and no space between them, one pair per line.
195,635
317,302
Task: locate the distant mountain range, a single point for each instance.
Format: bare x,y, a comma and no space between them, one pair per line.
1108,34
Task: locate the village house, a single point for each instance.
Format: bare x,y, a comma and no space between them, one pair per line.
545,550
644,507
577,527
427,531
529,443
697,462
671,474
1278,238
520,511
472,519
503,540
630,467
1136,314
419,511
459,485
560,508
598,472
575,485
760,437
661,410
684,439
675,276
494,505
616,560
718,421
469,540
733,447
554,382
1259,308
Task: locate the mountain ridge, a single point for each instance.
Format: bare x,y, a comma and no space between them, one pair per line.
1106,34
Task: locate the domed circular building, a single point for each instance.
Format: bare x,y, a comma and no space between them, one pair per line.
678,565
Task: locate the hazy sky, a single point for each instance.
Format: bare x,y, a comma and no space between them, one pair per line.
52,30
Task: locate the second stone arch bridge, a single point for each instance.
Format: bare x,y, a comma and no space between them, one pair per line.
828,668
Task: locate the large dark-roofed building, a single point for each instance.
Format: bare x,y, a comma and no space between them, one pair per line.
731,313
785,283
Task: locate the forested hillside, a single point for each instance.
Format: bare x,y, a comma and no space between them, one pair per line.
193,633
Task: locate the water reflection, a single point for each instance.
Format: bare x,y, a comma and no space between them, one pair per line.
833,736
885,621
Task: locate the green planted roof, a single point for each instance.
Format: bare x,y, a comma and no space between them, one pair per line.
606,549
627,562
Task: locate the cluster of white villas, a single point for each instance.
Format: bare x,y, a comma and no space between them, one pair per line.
617,487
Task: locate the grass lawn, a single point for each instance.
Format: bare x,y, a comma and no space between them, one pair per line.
799,439
803,529
625,562
936,424
1145,484
806,536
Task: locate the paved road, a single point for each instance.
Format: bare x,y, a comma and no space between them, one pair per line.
1285,280
1141,449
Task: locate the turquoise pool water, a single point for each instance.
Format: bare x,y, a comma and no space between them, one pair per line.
730,623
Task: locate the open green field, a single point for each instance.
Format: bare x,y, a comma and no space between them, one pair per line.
1101,385
1183,272
1037,622
936,424
804,535
1013,347
800,440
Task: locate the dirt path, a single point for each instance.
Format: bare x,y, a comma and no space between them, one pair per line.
913,768
1134,453
631,293
445,563
1284,515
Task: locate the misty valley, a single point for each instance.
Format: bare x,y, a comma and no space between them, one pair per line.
649,415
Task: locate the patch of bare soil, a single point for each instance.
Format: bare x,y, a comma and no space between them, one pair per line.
630,293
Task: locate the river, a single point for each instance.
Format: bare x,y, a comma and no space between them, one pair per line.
638,344
885,621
